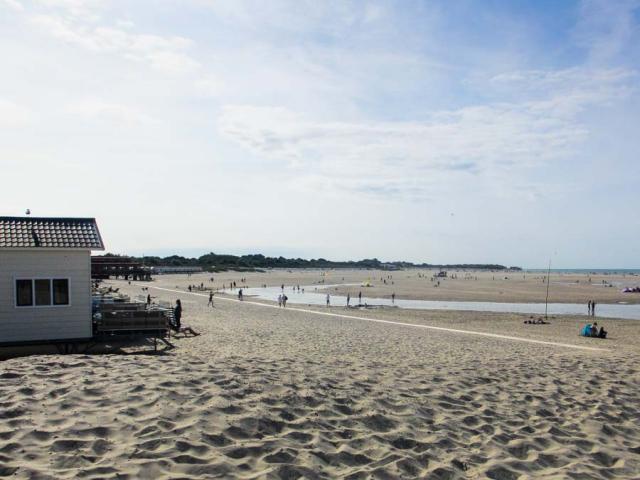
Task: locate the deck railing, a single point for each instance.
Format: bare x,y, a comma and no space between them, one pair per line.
131,317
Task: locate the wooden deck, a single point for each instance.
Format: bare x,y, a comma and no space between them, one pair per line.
118,324
122,317
118,321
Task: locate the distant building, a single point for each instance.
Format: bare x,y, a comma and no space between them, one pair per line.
45,278
172,269
104,267
389,266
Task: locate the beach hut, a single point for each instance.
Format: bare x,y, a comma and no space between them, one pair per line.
45,278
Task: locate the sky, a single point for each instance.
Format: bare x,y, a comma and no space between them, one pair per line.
430,131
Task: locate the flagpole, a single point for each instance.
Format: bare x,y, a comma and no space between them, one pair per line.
546,300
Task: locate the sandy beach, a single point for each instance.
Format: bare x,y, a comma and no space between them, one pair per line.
267,392
282,240
486,286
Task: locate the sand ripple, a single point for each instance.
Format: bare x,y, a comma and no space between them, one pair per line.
278,395
215,421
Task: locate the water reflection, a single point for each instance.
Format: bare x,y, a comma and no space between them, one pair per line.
313,296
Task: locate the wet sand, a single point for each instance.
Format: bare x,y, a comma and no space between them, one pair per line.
481,286
282,393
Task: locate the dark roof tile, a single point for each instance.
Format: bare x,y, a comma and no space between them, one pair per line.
33,232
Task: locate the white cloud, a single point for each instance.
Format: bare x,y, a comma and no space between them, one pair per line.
565,93
13,115
13,5
85,10
97,109
333,17
607,28
209,86
396,157
166,53
124,23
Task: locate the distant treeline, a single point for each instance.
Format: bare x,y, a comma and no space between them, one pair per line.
212,261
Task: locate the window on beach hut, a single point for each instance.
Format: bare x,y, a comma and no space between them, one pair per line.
60,291
43,292
24,293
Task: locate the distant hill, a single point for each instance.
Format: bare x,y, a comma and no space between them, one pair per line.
217,262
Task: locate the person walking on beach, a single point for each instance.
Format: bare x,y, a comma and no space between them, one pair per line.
593,308
348,299
280,300
393,297
210,299
177,315
328,300
148,300
284,301
589,307
240,294
360,298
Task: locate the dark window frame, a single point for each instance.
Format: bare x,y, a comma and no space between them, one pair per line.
52,294
66,294
24,282
42,292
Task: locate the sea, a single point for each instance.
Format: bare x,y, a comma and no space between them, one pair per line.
587,271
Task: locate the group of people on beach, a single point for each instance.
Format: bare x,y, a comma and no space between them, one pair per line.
590,330
359,299
591,306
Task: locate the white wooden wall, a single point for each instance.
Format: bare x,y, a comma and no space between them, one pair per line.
45,323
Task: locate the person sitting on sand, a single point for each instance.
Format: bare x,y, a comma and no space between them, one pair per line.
586,330
177,326
538,321
594,329
602,333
